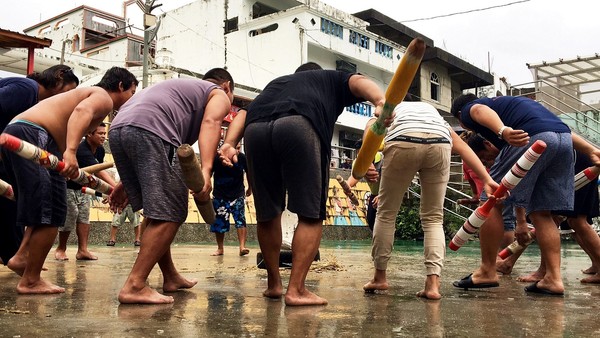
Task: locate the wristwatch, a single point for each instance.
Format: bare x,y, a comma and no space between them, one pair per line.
501,131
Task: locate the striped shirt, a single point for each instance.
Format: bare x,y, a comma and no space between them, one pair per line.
418,117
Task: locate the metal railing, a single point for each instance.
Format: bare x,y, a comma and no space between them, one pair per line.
580,116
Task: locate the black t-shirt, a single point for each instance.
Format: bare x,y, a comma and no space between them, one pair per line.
319,95
229,181
85,158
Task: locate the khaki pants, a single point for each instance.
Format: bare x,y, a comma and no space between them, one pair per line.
402,160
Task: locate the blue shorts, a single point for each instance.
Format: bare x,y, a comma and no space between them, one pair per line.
223,209
41,193
549,184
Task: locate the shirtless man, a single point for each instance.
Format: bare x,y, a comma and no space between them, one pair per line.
56,124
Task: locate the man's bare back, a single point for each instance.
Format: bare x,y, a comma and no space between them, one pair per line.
91,105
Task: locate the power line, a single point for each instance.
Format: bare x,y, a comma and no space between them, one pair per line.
465,12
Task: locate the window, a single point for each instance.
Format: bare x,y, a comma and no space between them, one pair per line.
103,21
263,30
332,28
45,30
260,9
75,44
358,39
231,25
383,49
61,23
361,108
345,66
435,86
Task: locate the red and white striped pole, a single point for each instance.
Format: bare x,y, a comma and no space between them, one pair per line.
50,161
509,181
92,192
6,190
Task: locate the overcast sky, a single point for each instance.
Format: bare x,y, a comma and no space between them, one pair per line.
501,39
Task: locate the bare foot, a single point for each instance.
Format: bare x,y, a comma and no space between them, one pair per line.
17,264
85,256
432,288
219,252
146,295
276,292
503,267
177,283
593,279
532,277
244,252
303,298
60,255
373,286
38,287
590,271
429,295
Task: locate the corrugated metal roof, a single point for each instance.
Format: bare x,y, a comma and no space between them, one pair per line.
561,73
10,39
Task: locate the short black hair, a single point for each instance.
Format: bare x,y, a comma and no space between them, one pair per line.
219,76
308,66
411,98
473,140
460,102
115,75
55,76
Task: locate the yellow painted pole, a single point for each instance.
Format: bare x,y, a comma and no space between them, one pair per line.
395,94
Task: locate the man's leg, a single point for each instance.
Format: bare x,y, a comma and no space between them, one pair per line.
83,233
242,233
589,241
397,172
60,253
113,234
307,238
221,224
84,203
220,237
158,236
18,262
137,230
70,223
549,241
40,243
269,240
11,235
172,279
239,219
490,235
536,275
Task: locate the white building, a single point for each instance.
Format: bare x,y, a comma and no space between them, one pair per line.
258,41
91,40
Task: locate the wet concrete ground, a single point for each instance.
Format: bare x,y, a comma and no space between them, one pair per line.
227,301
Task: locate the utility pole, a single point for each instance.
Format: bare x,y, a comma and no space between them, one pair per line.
151,25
